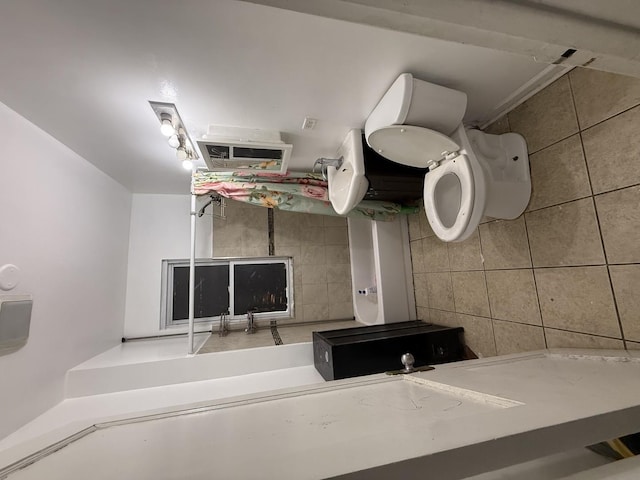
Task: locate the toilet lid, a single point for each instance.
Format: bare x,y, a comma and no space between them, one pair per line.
410,145
449,198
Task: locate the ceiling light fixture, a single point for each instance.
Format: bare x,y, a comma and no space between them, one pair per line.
171,125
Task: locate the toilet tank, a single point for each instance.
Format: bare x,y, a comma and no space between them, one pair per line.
410,101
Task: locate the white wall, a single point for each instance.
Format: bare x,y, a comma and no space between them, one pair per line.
65,224
159,229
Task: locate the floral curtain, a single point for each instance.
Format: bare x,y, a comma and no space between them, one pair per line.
294,192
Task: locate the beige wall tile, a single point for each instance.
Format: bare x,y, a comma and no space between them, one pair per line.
333,221
340,310
339,292
312,235
311,220
339,273
466,255
619,215
565,235
313,274
504,244
417,257
546,117
470,293
499,127
577,299
562,339
513,296
626,288
599,95
435,254
255,251
314,293
313,255
422,313
337,254
613,152
478,334
336,236
420,289
440,291
516,337
558,174
315,312
288,251
297,298
220,252
442,317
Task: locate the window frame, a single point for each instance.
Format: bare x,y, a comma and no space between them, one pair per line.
167,283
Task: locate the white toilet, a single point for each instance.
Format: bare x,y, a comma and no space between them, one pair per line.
471,173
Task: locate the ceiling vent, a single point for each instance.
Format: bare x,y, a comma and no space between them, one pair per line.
235,148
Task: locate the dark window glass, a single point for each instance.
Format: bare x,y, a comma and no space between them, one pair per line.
260,288
211,292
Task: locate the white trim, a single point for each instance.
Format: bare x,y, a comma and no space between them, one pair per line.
526,91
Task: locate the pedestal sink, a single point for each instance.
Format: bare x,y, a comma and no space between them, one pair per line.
347,183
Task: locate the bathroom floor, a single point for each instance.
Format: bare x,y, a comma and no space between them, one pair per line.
566,273
267,336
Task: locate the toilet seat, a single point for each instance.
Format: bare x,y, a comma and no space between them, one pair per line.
461,168
421,147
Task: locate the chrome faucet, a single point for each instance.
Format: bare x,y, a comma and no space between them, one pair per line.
223,326
251,326
325,162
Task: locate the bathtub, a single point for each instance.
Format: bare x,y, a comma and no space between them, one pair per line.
381,267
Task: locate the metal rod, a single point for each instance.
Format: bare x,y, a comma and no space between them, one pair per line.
192,269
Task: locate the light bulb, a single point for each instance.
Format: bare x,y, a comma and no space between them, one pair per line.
167,128
187,164
174,141
181,153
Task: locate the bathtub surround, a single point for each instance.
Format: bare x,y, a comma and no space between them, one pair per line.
160,229
318,244
566,273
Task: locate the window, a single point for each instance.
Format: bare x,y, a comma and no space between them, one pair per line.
227,286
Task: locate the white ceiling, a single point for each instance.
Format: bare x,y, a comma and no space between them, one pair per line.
84,71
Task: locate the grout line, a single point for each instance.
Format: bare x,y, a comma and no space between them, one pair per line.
535,284
595,209
558,204
532,325
608,118
551,266
616,189
555,143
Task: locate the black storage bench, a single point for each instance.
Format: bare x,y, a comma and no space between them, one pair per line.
352,352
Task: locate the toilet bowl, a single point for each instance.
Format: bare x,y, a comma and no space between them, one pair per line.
471,173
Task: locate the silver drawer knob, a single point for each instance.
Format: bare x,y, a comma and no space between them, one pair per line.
408,361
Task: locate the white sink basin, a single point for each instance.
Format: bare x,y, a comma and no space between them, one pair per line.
347,184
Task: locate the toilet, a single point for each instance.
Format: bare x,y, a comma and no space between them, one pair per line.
471,173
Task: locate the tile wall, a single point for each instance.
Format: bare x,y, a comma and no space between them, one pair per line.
318,244
567,272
